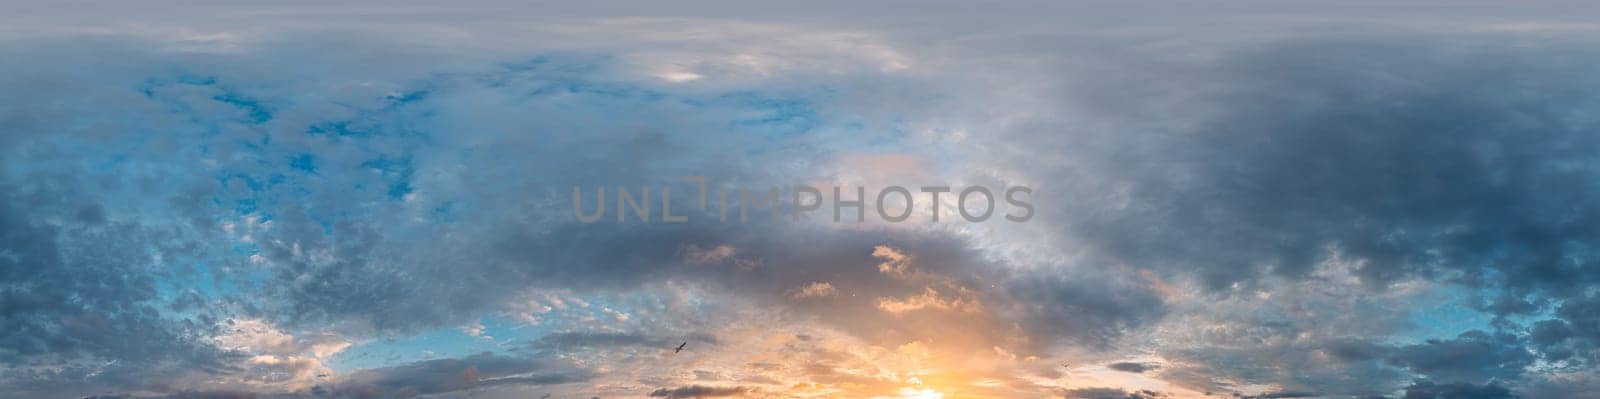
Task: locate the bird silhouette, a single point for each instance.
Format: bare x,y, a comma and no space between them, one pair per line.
680,347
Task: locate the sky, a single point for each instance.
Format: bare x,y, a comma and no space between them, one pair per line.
385,200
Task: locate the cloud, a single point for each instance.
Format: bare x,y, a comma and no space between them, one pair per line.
1206,206
895,262
1090,309
310,210
1132,367
612,340
1112,393
1268,157
819,289
1459,390
196,395
1257,167
80,299
456,374
695,254
698,391
1473,356
929,299
1276,395
1575,332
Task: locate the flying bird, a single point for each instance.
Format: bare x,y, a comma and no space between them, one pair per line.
680,347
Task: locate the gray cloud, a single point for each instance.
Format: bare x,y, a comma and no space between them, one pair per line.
1402,159
1473,356
1086,309
1297,153
1287,394
574,340
1112,393
429,378
1577,330
387,190
323,210
82,295
1132,367
698,391
1459,390
450,375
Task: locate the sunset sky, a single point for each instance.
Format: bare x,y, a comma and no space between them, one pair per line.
375,200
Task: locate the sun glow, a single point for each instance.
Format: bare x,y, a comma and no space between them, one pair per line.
922,393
